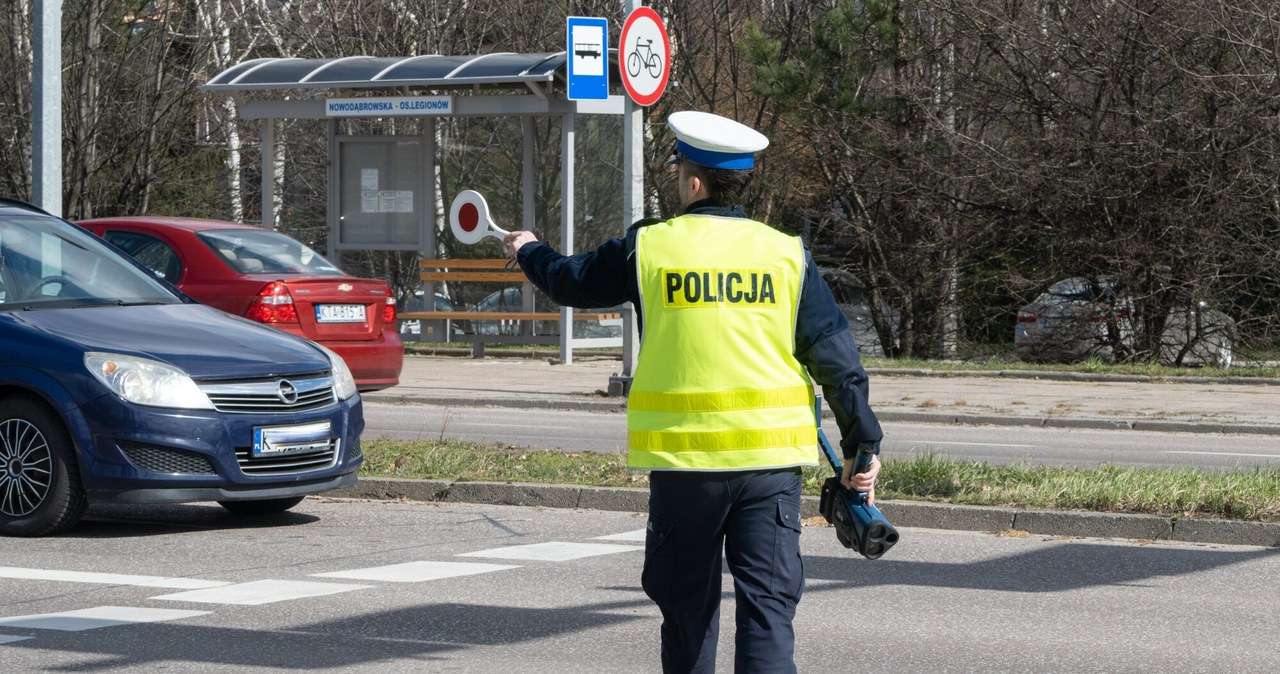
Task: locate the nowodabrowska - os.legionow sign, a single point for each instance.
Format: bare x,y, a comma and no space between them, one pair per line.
389,106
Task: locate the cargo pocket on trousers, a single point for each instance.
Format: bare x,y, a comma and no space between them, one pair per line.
658,577
788,566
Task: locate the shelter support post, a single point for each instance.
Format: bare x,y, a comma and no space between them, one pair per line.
268,172
567,152
331,131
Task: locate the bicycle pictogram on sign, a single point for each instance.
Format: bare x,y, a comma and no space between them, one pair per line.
645,57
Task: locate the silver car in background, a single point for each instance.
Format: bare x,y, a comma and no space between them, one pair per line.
1079,318
851,296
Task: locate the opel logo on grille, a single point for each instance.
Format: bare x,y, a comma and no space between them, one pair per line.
287,392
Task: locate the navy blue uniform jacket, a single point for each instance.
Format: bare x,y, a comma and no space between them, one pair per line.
606,277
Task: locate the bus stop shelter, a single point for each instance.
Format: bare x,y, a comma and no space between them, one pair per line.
381,189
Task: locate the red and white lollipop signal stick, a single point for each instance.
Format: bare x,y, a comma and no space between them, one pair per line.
469,218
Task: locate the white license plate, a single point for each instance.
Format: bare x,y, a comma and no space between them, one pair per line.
285,440
339,313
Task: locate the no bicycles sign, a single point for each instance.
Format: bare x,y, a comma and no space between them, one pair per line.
644,56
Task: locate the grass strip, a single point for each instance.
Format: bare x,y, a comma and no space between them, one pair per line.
1245,494
1091,366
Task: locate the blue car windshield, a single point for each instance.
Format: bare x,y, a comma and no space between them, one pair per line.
262,251
46,262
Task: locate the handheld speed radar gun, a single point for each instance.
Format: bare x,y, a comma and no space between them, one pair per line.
859,525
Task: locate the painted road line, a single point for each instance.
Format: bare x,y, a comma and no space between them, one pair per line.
93,618
554,551
259,592
108,578
1252,456
959,443
636,536
488,424
417,572
8,639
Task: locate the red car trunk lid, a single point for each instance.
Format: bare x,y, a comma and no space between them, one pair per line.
341,308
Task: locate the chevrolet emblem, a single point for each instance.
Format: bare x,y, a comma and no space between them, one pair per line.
344,287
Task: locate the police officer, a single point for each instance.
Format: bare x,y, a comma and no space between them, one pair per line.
735,320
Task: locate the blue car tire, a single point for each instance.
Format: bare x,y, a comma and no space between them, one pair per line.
40,490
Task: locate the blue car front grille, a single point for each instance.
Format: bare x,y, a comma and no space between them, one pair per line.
163,460
275,395
355,451
291,463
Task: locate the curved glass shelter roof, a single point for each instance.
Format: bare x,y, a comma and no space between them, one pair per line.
372,72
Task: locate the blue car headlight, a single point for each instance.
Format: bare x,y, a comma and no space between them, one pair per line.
146,382
344,383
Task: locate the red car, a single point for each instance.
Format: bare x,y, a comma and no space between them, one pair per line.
271,278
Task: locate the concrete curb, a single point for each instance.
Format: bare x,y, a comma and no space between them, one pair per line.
557,402
901,513
1072,376
411,348
1108,424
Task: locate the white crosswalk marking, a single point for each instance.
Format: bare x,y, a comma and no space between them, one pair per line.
107,578
416,572
93,618
636,536
259,592
554,551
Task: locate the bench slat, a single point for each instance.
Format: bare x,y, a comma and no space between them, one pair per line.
491,276
492,270
502,316
494,263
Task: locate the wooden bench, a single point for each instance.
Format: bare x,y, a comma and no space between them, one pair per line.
491,271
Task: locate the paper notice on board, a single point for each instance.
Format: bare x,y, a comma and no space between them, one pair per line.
368,201
368,179
404,201
386,201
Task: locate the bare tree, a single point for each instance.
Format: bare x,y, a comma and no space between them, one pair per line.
15,99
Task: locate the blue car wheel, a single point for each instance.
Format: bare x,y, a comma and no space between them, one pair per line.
40,491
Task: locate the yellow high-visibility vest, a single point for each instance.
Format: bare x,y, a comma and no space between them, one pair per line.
717,385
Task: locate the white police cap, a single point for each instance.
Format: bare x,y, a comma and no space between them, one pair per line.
714,141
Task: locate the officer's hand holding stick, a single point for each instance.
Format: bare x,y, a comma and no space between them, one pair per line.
513,241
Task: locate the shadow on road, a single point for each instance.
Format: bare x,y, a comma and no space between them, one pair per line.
424,633
128,520
1068,566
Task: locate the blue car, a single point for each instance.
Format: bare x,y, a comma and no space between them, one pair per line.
116,387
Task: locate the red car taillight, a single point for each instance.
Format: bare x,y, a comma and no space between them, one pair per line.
389,310
274,304
1026,317
1116,315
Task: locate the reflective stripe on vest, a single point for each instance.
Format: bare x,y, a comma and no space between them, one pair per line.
717,385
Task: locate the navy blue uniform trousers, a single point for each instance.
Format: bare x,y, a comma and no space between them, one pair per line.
697,522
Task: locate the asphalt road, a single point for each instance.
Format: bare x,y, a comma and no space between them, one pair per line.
386,586
582,430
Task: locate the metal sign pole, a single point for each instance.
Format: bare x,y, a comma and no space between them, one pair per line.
46,97
632,210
